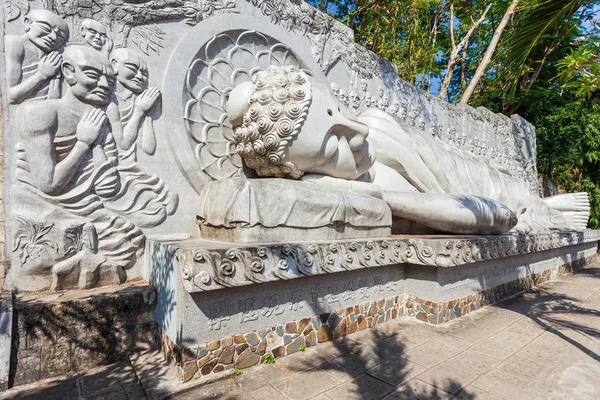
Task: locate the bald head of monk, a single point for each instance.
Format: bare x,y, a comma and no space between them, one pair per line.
89,74
46,30
94,33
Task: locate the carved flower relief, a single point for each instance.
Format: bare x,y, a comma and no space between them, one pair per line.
31,240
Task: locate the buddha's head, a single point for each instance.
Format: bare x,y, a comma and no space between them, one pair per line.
287,124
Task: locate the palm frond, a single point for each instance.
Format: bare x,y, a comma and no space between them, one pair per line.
533,25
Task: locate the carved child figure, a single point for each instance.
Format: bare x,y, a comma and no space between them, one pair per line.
94,34
32,62
136,103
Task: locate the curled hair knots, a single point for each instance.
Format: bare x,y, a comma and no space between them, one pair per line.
278,108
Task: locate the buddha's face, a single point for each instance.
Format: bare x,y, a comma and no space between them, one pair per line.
331,142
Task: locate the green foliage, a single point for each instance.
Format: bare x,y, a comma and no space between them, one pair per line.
238,372
536,20
580,72
302,348
269,359
568,140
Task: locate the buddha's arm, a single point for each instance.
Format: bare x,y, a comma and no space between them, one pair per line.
359,187
452,213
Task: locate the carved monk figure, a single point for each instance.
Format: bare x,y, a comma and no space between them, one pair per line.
32,62
94,34
68,157
137,106
306,134
136,101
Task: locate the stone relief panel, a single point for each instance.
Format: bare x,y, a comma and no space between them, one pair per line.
80,114
85,117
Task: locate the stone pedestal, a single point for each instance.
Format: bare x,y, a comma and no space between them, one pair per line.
222,307
63,333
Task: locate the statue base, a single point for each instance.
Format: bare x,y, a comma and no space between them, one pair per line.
222,307
56,334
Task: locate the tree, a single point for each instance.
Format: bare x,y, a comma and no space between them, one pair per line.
457,48
487,58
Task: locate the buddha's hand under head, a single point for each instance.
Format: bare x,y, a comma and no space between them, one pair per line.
364,188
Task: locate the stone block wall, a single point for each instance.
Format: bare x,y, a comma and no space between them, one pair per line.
80,330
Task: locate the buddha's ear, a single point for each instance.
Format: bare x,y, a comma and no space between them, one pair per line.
68,71
238,102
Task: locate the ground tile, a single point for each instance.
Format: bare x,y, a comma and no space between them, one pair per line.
321,397
417,390
339,346
380,351
473,361
476,334
362,387
261,375
436,351
523,367
412,337
396,372
306,384
225,389
502,344
115,393
475,393
506,385
578,381
98,380
264,393
304,360
345,367
448,377
60,390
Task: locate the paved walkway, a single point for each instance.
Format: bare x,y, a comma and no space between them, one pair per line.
544,344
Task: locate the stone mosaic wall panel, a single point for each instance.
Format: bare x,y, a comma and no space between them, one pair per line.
245,350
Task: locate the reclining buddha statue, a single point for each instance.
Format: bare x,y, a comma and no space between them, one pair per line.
288,124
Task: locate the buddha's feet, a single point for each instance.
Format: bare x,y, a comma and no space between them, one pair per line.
576,219
578,202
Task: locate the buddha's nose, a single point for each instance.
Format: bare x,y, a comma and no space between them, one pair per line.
356,132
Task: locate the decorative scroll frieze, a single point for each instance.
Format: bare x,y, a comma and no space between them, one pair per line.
216,268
